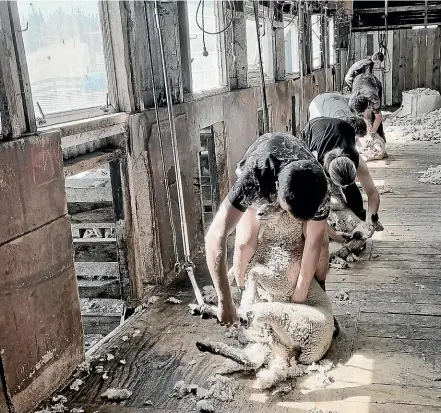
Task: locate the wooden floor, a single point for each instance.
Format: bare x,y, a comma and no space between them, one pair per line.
387,355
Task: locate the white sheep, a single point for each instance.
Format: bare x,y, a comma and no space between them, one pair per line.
341,218
372,148
280,334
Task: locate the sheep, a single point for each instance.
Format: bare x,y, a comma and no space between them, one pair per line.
281,334
372,148
341,218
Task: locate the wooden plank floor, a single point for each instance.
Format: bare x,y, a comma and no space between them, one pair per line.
387,355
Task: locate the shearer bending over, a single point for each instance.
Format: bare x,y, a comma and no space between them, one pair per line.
333,142
362,66
276,167
365,100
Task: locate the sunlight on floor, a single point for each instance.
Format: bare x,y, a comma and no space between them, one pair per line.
378,164
358,371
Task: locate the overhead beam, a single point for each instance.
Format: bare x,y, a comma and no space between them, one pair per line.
390,27
398,9
89,161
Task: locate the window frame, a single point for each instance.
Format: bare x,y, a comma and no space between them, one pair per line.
108,108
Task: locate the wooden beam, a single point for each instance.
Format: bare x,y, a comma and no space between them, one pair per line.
390,27
187,81
12,111
171,30
112,86
117,22
307,42
398,9
130,288
23,73
278,37
89,161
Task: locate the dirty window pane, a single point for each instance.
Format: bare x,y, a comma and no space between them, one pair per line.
205,70
253,48
316,41
292,63
64,53
331,41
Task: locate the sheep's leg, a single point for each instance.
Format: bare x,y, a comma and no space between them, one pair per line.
283,319
251,357
295,369
249,296
230,366
277,371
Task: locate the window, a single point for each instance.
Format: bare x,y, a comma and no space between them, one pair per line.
65,56
331,36
292,60
253,48
316,35
205,70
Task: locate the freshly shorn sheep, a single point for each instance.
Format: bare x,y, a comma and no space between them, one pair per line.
280,334
341,218
372,148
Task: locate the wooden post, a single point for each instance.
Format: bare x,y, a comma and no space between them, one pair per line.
307,42
14,120
278,37
123,228
170,16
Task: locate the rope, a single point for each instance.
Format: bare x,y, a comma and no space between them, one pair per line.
161,149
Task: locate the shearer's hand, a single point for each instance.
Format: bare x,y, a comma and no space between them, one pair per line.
227,314
342,237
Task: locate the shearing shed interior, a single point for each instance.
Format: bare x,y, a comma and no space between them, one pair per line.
126,129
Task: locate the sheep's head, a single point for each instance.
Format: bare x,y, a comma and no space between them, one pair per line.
270,213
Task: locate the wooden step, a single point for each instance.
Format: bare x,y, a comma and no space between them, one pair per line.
87,225
94,252
97,270
101,316
78,229
99,194
99,288
101,241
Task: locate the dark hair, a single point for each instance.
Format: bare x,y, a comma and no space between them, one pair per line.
339,167
378,56
359,125
303,186
358,103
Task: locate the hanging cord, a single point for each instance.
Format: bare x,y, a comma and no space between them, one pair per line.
202,27
291,11
262,75
161,150
188,264
204,53
201,2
